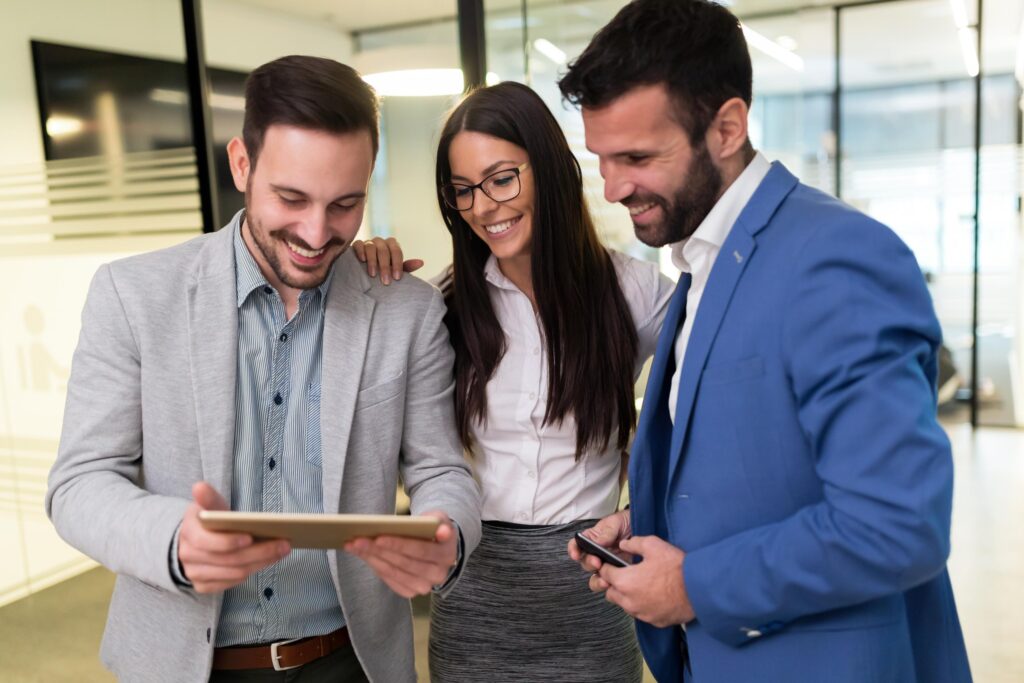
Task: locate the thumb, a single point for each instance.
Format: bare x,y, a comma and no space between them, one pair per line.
207,498
412,265
445,531
636,544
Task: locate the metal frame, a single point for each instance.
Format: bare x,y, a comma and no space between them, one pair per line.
199,111
472,43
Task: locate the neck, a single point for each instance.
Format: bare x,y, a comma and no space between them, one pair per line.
518,269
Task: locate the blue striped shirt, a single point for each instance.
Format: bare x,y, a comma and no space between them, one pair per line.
277,459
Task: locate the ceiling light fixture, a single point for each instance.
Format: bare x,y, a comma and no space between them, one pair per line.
550,50
772,49
968,37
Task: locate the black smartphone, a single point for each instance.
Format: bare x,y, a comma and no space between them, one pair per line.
591,548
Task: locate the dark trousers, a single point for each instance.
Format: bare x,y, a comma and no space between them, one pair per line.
341,666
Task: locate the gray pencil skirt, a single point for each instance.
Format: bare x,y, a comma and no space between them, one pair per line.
522,611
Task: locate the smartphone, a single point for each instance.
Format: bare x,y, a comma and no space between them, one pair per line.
591,548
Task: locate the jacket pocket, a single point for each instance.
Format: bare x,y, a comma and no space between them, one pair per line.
380,393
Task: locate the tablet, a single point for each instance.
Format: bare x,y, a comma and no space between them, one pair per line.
318,530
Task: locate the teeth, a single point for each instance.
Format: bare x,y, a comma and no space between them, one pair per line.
305,252
637,210
500,227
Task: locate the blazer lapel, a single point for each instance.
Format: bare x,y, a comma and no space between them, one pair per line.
346,332
732,260
213,351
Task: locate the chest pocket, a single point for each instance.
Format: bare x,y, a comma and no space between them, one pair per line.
380,393
312,425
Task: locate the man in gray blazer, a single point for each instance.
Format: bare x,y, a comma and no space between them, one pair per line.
259,368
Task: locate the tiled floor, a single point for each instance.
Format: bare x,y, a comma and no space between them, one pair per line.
54,635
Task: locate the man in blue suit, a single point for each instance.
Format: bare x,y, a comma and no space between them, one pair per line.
790,486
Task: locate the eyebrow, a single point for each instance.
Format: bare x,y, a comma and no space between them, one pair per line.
292,190
489,170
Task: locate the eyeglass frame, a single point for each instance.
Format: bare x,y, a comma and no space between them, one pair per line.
480,186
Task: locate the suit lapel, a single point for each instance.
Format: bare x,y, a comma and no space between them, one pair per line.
213,351
346,332
732,261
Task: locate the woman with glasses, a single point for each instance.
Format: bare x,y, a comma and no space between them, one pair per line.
550,330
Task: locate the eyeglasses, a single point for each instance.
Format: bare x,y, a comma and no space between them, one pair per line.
501,186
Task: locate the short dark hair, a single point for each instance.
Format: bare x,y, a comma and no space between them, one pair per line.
307,92
588,329
695,47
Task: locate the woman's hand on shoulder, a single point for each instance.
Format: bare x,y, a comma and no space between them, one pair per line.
384,256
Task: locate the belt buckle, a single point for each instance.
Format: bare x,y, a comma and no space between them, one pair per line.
274,656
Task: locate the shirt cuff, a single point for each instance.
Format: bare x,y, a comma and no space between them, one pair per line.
453,572
177,571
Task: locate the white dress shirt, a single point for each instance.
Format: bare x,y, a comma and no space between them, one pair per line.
696,255
527,470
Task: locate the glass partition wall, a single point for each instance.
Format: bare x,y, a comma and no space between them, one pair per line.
874,102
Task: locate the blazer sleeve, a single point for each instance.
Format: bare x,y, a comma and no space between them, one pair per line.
93,497
433,468
859,343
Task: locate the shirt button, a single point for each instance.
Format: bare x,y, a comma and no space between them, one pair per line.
271,464
531,474
277,399
284,336
532,396
268,290
536,351
268,592
521,516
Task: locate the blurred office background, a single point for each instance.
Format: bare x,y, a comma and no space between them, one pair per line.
910,110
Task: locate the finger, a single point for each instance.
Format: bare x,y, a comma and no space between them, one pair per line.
370,256
637,545
412,265
597,584
574,550
396,257
357,246
263,552
207,498
214,573
383,259
435,570
404,584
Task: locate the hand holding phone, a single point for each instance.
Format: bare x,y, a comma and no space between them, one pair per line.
592,548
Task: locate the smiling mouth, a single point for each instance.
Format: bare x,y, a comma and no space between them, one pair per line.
639,209
303,252
504,226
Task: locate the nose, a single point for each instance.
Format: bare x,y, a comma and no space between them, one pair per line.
616,186
313,229
482,204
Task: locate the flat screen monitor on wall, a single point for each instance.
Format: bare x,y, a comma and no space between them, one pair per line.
96,102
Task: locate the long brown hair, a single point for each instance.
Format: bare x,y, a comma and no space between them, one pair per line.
588,329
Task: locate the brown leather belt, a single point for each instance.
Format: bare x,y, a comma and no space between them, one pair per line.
287,654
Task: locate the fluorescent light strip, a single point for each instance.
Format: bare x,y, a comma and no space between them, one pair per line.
773,49
959,11
550,50
1019,70
416,82
969,48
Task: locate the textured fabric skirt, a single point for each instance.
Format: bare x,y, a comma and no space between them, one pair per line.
522,611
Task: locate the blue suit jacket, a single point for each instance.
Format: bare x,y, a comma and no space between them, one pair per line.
806,476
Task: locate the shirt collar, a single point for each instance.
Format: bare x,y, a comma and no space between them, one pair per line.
493,274
717,225
249,277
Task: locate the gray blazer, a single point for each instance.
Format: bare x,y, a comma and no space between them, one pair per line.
150,410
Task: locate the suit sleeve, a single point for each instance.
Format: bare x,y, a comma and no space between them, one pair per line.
859,343
434,470
94,497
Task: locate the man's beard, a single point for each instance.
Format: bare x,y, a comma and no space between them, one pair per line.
265,242
689,207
